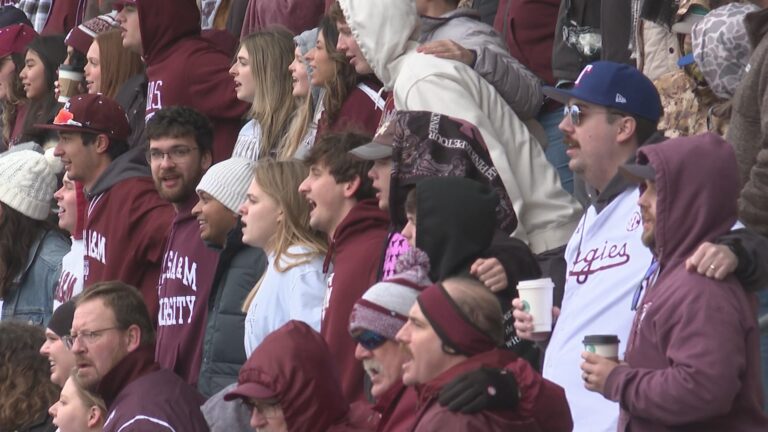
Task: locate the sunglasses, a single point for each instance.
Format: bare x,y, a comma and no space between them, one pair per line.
575,112
370,340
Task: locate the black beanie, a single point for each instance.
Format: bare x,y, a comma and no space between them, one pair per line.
61,320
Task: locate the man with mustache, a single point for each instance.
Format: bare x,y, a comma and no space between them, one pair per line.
180,151
113,342
611,111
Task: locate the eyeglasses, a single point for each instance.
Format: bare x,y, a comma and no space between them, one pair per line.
265,409
370,340
575,112
176,154
86,337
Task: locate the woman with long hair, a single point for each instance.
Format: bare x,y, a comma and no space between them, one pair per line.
276,218
13,44
78,409
350,102
44,55
302,130
261,77
26,390
110,64
31,249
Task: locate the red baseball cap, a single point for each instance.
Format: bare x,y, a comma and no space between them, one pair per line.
15,38
94,113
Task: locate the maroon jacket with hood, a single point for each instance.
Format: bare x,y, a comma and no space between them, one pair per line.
296,15
184,289
126,228
142,397
355,252
693,351
184,68
294,362
542,405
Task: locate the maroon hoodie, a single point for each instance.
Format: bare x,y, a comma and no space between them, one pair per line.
64,15
296,15
294,362
142,397
542,405
126,228
693,351
184,68
185,284
355,252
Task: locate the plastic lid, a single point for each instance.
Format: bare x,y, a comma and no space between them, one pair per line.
600,339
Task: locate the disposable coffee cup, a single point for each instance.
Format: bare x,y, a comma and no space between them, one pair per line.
536,296
69,82
603,345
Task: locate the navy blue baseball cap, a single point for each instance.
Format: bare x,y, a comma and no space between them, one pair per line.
613,85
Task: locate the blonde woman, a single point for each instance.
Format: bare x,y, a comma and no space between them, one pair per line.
276,218
78,410
261,77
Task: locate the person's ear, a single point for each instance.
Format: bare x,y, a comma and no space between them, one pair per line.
627,128
351,187
206,160
102,144
133,335
95,417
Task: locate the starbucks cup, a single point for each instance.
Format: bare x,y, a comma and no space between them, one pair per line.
536,296
603,345
69,82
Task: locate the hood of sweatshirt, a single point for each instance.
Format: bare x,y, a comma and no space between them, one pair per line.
429,24
364,219
294,363
455,223
697,184
384,30
128,165
163,23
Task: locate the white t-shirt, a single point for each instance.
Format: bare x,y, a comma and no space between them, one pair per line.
296,294
71,278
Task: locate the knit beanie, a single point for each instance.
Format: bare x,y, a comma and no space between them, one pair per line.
306,41
227,182
61,320
27,183
82,36
384,307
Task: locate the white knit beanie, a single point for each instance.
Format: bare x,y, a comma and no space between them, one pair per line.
227,182
27,183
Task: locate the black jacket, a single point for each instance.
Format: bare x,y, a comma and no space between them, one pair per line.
239,268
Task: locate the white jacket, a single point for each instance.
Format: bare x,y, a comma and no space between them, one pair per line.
386,31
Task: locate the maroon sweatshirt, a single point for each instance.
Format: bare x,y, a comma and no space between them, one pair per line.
360,112
126,228
295,15
355,252
693,359
64,15
185,283
140,396
184,68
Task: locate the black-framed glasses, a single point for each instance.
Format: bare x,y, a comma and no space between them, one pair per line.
576,111
176,154
86,337
370,340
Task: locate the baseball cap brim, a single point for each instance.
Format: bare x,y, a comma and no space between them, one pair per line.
685,60
249,390
565,96
72,128
372,151
638,173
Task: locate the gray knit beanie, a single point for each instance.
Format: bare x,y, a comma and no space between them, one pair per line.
228,181
27,183
306,41
384,307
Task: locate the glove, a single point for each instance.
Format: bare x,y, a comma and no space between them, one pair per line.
479,390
